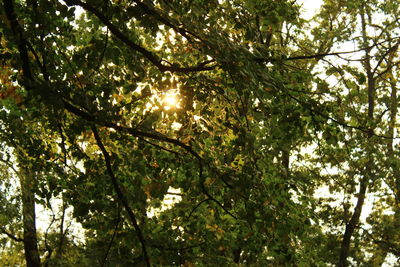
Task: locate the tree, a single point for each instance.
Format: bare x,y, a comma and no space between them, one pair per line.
366,95
115,105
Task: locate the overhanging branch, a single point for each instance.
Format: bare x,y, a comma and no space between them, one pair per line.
146,53
121,195
152,12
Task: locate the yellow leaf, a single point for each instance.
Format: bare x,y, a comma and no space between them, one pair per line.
209,181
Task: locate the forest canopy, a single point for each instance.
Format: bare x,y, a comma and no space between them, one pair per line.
199,133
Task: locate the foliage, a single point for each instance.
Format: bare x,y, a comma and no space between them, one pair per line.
273,146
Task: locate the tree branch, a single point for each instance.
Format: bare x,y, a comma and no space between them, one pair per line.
112,238
392,49
121,195
178,249
322,55
13,237
160,147
198,205
309,107
146,53
163,20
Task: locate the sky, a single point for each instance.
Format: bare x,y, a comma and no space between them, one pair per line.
310,7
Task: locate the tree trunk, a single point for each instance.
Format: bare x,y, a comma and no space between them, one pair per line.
381,252
29,219
367,173
351,225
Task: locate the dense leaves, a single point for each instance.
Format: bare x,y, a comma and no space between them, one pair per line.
199,133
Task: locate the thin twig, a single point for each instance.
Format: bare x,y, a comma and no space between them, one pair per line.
112,238
198,205
159,147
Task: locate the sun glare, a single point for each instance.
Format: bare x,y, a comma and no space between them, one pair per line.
171,101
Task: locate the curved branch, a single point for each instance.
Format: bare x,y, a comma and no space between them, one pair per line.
198,205
216,201
146,53
121,195
163,20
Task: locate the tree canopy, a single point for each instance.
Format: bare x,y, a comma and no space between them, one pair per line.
199,133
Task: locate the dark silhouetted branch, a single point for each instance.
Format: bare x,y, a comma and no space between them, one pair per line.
13,237
125,39
152,12
112,238
158,146
177,249
198,205
121,195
